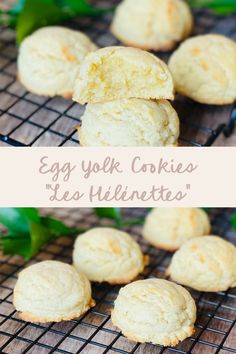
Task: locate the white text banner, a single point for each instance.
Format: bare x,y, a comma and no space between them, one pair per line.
118,177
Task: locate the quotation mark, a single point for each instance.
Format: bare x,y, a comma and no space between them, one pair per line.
188,186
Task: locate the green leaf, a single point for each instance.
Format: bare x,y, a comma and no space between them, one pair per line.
28,15
38,13
58,228
115,214
17,8
30,213
233,221
109,213
39,236
28,231
212,3
220,6
223,10
138,221
12,245
16,219
49,229
82,7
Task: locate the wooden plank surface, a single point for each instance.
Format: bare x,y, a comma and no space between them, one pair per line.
216,311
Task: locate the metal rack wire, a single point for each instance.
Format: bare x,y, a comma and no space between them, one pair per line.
31,120
94,332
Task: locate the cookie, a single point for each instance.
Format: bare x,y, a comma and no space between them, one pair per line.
108,255
169,228
113,73
205,264
204,69
129,122
49,60
155,311
51,291
152,24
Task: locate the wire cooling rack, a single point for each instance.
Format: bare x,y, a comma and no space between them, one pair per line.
31,120
94,332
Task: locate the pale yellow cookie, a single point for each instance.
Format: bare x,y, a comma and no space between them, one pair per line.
152,24
108,255
129,122
205,264
156,311
204,69
49,60
113,73
169,228
51,291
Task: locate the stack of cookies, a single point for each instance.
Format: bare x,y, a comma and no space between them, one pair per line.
127,91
